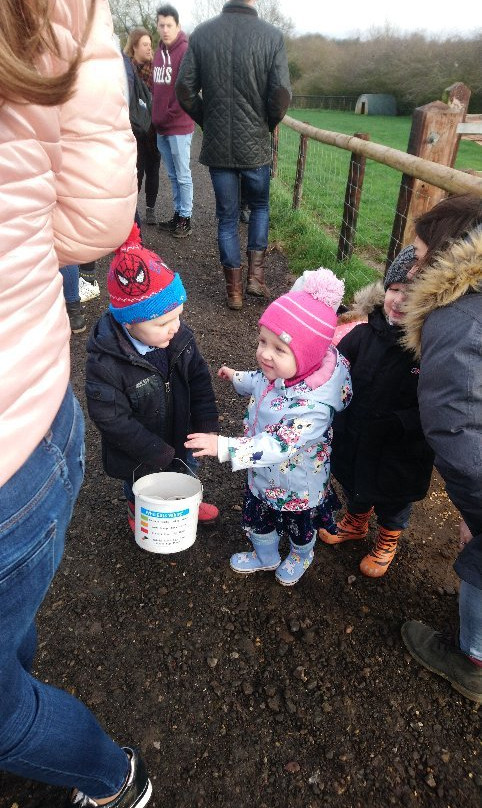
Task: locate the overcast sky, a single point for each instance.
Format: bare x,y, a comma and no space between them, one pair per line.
340,19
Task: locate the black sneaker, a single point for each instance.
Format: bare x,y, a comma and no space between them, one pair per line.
182,228
135,793
171,224
150,215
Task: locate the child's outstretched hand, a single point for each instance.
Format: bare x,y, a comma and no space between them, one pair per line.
226,373
207,444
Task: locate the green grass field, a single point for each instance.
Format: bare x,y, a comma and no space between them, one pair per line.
310,235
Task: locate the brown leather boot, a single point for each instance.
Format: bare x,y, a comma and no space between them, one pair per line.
234,287
376,563
256,285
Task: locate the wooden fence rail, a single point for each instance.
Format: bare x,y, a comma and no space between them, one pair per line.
449,179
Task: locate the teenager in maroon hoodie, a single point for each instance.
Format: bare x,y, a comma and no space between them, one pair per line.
174,127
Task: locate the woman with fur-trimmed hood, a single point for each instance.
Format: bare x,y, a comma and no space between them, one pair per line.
443,328
379,453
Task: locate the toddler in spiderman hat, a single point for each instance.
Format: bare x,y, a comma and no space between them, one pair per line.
147,383
301,382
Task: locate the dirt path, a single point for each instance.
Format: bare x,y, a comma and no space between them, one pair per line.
241,693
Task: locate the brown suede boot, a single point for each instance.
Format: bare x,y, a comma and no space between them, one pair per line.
352,526
256,285
376,563
234,287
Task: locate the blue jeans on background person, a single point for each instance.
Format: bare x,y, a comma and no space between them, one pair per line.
45,733
175,151
470,613
70,277
226,190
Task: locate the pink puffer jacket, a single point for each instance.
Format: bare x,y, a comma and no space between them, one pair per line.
67,195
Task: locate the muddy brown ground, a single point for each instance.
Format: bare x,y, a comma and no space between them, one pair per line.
242,693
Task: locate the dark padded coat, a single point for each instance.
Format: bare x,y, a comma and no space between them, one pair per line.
239,63
144,419
444,327
379,453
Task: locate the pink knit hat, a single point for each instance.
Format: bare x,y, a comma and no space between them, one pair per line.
305,320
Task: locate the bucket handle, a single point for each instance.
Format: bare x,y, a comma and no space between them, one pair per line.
188,467
174,458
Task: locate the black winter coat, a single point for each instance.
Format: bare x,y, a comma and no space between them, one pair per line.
144,419
234,82
379,453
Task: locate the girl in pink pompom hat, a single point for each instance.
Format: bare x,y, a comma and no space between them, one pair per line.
301,382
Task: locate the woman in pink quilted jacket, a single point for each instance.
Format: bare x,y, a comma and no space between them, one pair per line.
67,179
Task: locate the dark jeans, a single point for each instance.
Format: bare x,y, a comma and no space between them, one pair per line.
148,162
255,183
70,279
392,516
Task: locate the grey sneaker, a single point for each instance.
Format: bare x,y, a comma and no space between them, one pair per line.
135,793
439,654
150,215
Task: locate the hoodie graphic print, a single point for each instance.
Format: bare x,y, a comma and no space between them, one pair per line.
167,116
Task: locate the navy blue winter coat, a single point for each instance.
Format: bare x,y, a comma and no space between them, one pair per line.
142,417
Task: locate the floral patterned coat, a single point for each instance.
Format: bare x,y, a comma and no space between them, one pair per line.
287,436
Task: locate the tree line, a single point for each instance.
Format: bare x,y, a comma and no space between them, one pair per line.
415,68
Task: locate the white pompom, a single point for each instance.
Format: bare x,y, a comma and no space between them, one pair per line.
322,284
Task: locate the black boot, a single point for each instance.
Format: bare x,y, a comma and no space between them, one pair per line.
182,228
77,319
169,225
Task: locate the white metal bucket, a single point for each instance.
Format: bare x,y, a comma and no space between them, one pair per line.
167,507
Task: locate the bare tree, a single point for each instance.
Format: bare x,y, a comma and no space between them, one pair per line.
267,9
128,14
205,9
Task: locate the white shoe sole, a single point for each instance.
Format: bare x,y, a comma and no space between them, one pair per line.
145,797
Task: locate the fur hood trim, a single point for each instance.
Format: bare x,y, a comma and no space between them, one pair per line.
364,302
457,271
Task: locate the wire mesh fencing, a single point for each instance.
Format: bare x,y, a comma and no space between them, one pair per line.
351,203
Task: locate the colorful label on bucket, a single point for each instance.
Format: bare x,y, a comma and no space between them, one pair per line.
162,515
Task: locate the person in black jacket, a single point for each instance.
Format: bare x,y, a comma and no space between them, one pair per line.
234,82
379,454
147,383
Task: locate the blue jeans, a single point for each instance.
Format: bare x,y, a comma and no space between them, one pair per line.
470,612
176,153
70,277
256,191
45,734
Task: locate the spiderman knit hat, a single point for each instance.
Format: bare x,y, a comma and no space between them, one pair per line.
141,287
306,319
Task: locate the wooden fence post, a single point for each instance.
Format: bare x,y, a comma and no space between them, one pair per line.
300,170
354,185
274,151
434,137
